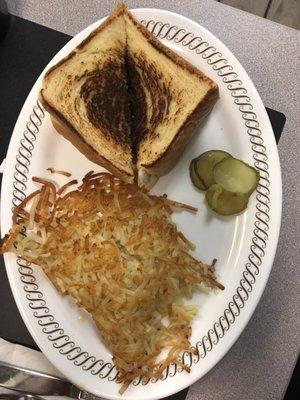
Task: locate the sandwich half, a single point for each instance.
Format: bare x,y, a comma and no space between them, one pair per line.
86,95
126,101
169,99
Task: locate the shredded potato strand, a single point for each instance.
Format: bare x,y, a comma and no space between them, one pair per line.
59,171
116,251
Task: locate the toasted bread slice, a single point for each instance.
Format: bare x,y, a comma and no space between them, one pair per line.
87,97
126,101
169,99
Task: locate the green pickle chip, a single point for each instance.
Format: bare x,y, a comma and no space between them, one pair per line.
225,203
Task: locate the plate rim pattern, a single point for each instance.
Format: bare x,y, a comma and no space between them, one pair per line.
36,302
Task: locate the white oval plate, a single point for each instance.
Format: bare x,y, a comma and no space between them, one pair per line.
244,245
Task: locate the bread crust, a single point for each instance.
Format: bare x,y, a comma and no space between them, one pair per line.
119,10
66,129
184,64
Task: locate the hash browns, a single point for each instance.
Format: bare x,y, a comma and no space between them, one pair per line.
114,248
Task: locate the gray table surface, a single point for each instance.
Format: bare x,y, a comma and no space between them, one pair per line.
261,362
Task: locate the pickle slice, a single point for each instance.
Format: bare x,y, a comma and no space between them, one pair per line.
205,165
236,176
194,176
225,203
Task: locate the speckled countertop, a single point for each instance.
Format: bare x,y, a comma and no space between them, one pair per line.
260,363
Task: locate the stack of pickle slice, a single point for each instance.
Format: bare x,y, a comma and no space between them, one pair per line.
228,181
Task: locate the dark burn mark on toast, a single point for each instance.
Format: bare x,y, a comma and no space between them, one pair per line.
126,100
106,98
146,83
138,106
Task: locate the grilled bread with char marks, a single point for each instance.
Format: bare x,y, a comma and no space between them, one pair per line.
126,101
169,96
86,94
